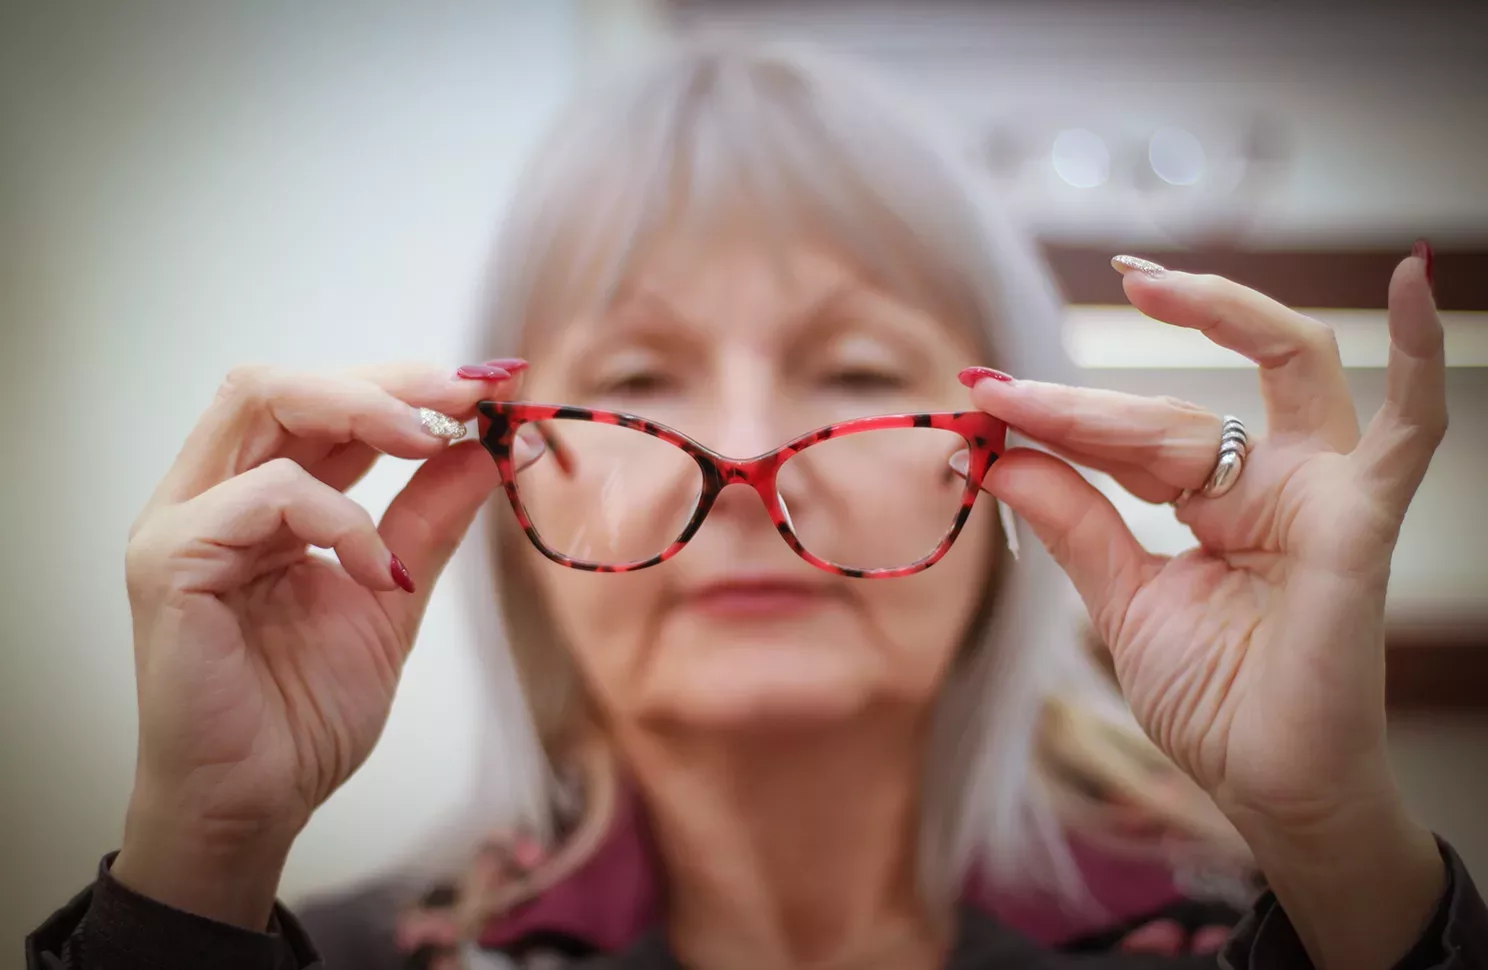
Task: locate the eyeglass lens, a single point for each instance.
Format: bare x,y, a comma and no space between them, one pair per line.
606,494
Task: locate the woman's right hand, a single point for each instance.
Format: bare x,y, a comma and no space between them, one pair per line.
265,674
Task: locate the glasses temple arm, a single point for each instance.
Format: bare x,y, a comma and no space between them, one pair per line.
562,454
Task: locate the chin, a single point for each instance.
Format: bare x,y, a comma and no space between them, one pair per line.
746,684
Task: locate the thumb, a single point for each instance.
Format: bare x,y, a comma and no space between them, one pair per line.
426,521
1078,525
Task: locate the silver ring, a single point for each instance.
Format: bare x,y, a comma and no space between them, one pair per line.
1234,445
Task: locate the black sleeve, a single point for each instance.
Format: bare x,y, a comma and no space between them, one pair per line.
1455,939
110,927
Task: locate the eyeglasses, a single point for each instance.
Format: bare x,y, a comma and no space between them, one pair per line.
875,497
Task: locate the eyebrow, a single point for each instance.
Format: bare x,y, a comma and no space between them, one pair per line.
883,314
633,298
814,310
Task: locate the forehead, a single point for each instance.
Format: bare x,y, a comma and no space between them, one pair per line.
739,285
699,281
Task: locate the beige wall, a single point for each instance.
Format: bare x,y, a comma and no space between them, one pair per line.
184,187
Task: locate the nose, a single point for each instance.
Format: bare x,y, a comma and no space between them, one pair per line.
740,433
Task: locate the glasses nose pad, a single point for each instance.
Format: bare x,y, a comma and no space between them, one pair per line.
960,463
785,512
528,445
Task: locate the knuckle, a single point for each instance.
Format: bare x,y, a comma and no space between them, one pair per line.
1426,426
280,473
1434,427
245,382
1319,338
1179,404
358,522
145,557
139,556
1221,293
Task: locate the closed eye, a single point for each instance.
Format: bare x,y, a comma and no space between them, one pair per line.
637,385
864,379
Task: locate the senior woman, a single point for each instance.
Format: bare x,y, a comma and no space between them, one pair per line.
824,740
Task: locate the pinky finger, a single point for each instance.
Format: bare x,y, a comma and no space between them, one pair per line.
1397,447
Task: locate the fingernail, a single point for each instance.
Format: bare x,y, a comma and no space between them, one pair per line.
400,575
1209,939
971,376
1127,264
483,372
1422,251
441,425
527,853
512,365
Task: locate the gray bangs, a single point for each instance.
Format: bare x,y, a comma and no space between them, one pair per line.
717,144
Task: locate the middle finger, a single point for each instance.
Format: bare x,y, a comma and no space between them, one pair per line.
1302,376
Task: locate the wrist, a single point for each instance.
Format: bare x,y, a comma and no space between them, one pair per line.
1359,885
225,869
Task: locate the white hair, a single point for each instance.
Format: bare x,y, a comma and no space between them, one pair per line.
817,148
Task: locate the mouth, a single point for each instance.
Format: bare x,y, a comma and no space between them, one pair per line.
757,597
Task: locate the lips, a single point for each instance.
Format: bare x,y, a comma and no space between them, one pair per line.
758,597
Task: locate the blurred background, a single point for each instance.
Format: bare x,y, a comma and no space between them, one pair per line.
188,186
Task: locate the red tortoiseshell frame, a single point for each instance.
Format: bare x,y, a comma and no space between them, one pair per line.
985,438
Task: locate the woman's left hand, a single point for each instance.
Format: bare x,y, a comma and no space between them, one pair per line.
1256,660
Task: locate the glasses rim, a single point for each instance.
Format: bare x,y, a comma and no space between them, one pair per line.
985,437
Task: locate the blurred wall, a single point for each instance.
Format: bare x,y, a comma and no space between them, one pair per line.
185,187
1373,113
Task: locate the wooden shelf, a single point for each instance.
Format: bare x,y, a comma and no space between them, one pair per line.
1121,337
1340,279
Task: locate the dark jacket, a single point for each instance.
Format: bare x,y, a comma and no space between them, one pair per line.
108,927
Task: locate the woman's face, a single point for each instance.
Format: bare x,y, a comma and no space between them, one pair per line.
743,350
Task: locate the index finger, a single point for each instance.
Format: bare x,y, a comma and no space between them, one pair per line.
452,392
1173,440
262,413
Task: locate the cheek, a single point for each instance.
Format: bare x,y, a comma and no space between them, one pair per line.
875,499
925,616
606,620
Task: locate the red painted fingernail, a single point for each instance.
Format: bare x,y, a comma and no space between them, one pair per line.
971,376
483,372
512,365
400,575
1209,939
527,853
1422,251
